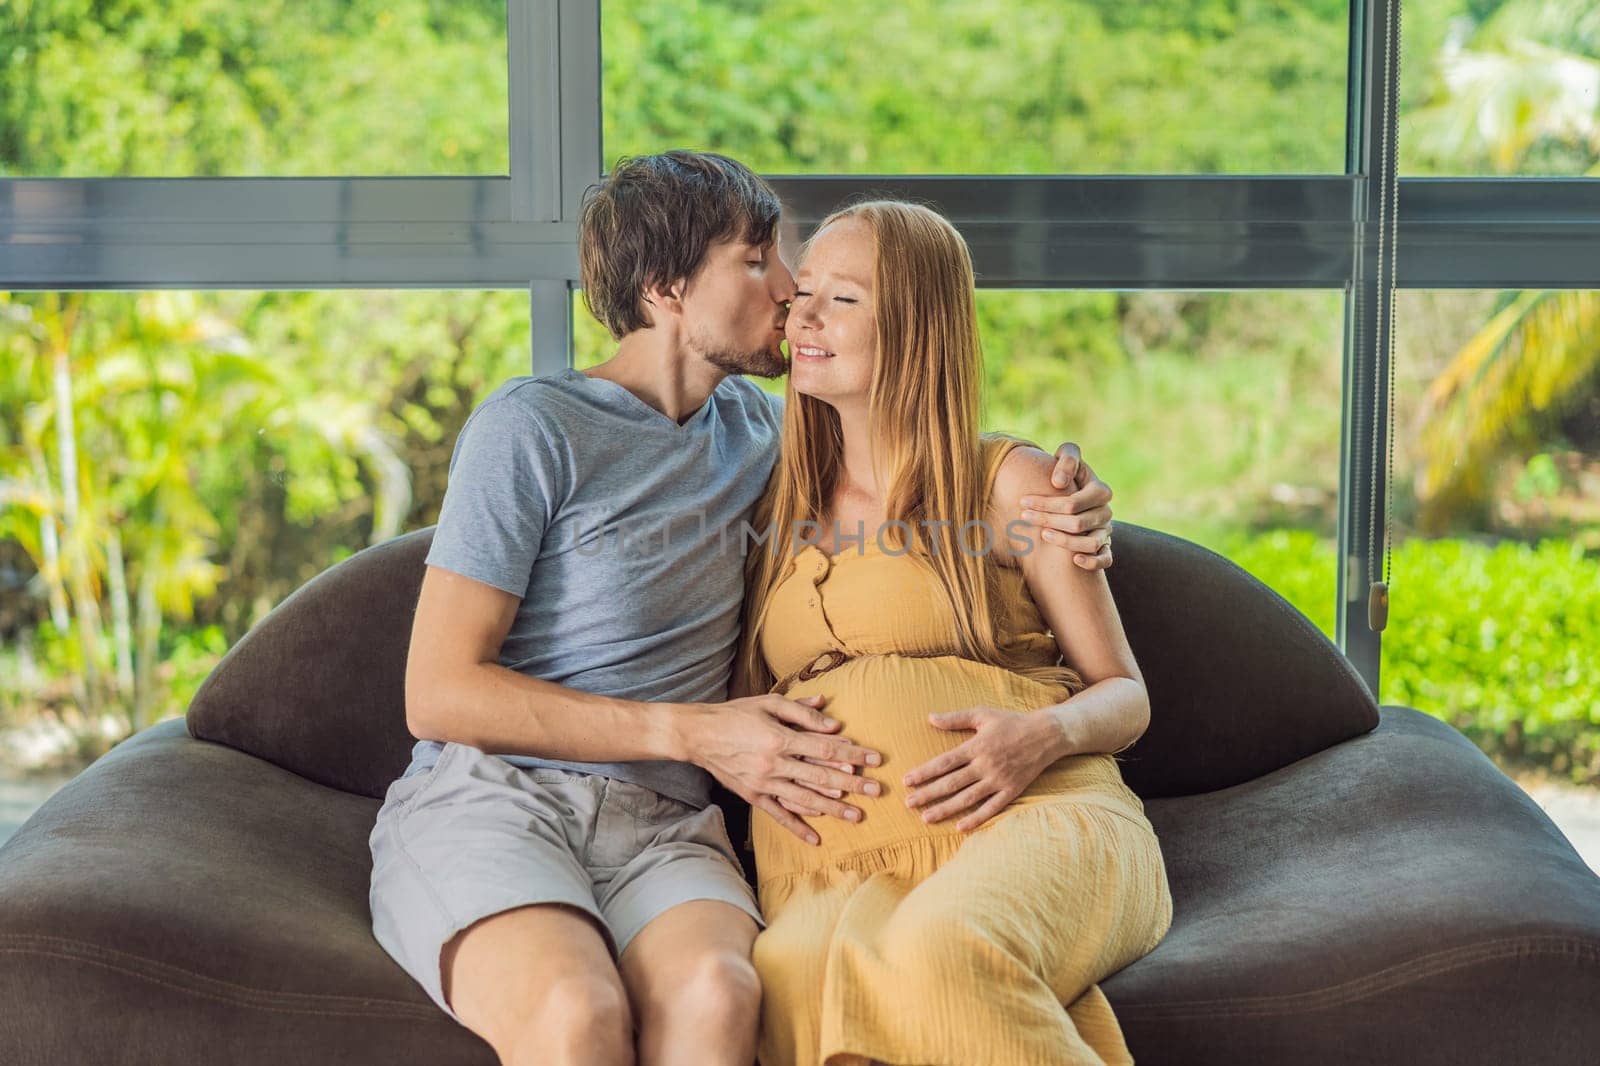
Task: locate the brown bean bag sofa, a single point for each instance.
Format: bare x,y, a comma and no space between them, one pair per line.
1352,884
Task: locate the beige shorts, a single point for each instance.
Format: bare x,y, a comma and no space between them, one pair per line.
473,836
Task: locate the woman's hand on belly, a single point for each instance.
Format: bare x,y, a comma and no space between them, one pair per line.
980,776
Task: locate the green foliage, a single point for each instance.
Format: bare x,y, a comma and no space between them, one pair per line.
1203,410
90,88
1496,640
994,86
1500,87
1489,639
173,456
1296,564
228,446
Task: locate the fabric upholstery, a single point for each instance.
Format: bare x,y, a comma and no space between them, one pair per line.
1342,893
318,685
1241,683
1393,899
182,902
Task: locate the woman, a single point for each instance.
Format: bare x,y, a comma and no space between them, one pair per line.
904,938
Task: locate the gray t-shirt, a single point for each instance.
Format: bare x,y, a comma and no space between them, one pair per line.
584,500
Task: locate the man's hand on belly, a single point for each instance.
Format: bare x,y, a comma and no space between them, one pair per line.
768,748
806,810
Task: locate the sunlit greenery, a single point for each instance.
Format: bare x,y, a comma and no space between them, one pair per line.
173,464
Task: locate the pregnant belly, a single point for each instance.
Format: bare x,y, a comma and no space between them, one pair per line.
884,703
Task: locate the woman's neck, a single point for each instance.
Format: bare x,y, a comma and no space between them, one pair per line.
858,479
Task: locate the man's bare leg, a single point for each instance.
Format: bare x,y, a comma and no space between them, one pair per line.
538,984
693,987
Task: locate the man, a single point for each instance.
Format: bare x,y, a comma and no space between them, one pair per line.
585,904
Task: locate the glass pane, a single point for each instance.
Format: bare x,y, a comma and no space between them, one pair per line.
1495,598
226,88
948,86
1213,416
1500,87
224,448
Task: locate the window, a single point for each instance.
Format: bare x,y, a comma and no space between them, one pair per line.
238,89
223,448
946,86
1500,87
1213,416
1496,546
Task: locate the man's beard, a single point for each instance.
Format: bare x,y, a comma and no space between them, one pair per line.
759,362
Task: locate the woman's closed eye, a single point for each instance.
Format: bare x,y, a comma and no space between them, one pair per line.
841,299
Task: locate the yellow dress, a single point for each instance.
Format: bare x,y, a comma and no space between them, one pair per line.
905,942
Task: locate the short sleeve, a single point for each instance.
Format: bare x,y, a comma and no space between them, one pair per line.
775,403
994,448
501,491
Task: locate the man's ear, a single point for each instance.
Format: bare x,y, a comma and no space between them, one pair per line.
665,298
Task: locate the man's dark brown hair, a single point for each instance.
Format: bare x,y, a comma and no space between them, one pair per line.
651,221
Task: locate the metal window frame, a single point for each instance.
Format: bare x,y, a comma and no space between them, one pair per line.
1077,232
1125,232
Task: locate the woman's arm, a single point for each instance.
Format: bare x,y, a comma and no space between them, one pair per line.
986,772
1080,519
1114,710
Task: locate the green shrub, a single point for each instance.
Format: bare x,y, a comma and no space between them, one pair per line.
1496,640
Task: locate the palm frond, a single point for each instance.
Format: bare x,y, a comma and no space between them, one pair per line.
1530,363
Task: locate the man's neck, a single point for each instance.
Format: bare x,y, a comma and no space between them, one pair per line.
671,380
